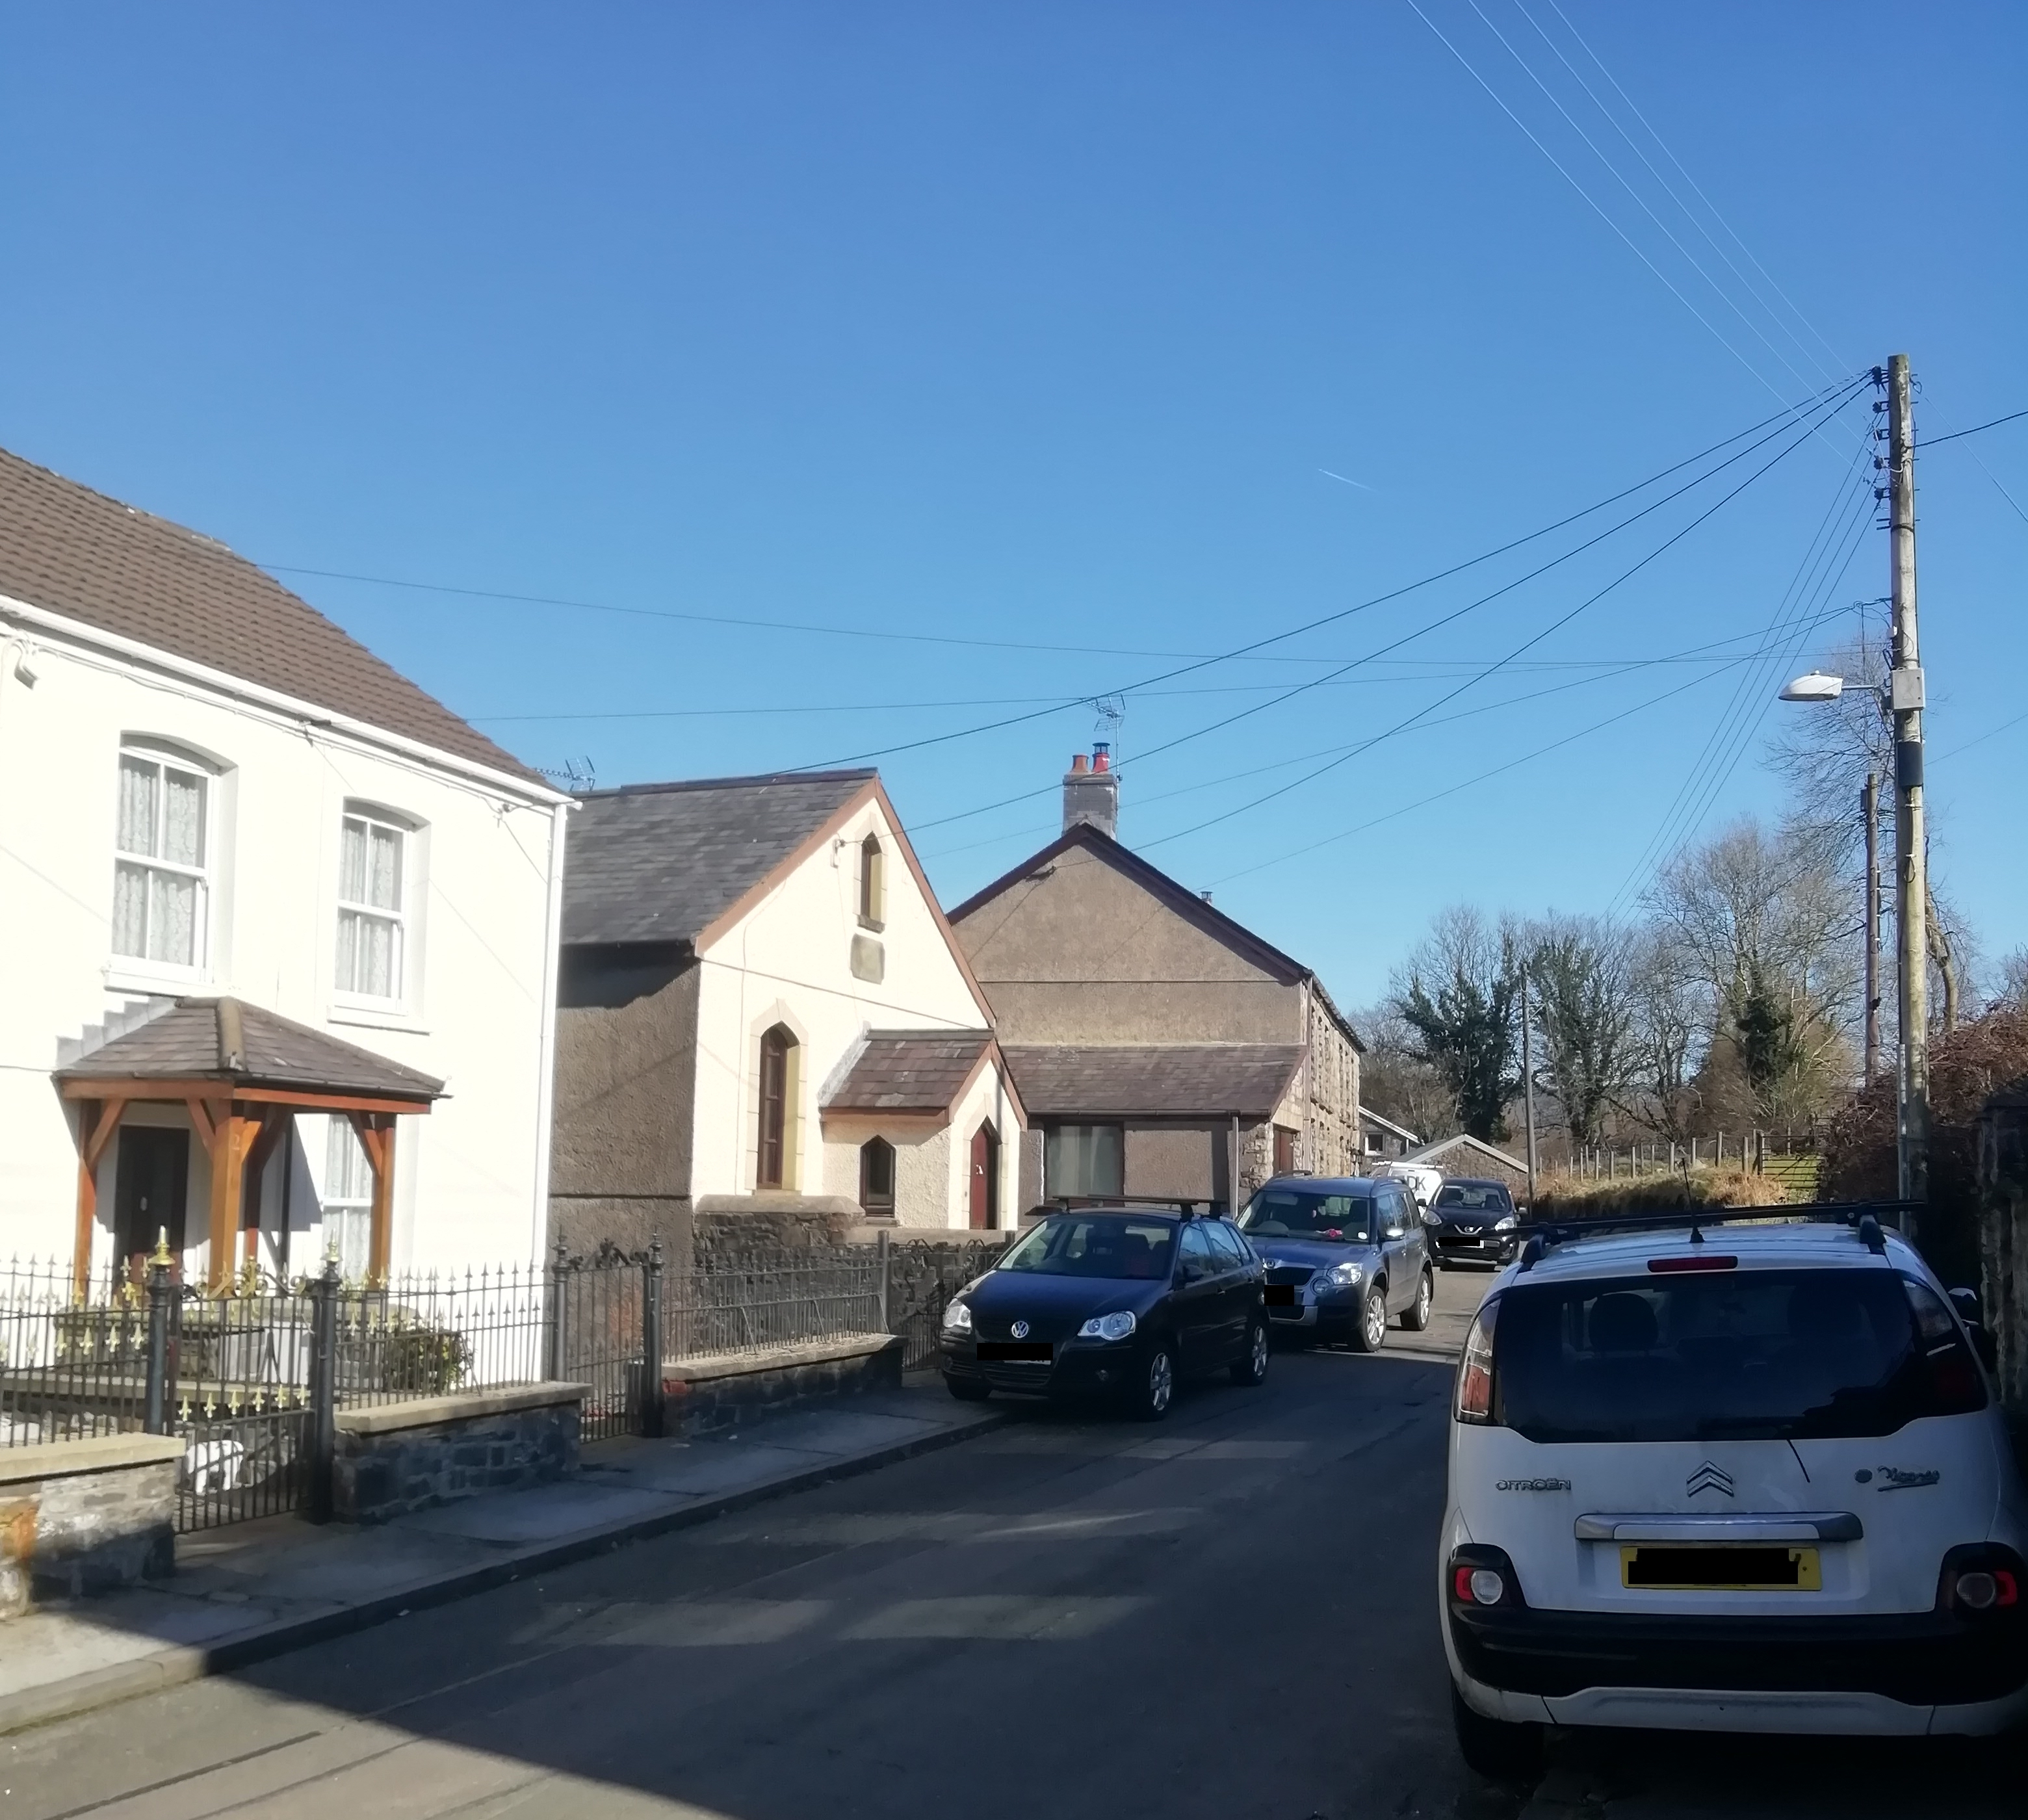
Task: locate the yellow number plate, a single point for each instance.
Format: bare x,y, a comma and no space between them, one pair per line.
1721,1567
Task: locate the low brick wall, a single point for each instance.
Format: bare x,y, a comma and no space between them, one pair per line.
400,1457
700,1396
83,1517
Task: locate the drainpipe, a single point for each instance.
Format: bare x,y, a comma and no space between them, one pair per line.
545,1063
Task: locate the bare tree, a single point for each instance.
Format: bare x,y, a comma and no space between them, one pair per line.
1459,994
1825,754
1583,1014
1767,925
1396,1081
1670,1012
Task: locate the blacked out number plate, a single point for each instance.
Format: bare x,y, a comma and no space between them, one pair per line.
1031,1352
1281,1295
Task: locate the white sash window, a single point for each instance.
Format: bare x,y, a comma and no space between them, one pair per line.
160,880
372,863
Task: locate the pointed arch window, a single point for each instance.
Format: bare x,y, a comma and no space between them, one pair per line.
876,1179
775,1161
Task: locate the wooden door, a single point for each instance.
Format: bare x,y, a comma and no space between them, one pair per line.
152,1182
1284,1150
985,1179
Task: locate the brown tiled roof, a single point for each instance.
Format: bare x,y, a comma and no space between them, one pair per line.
909,1072
1214,1080
193,1040
71,551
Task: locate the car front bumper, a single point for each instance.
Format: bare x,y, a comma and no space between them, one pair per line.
1313,1311
1614,1668
1485,1248
1080,1368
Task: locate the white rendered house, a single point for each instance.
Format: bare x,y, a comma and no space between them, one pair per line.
279,929
763,1011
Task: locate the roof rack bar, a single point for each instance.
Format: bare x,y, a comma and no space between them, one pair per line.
1853,1213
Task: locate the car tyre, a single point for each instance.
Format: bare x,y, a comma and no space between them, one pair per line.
1251,1366
1156,1390
1416,1317
1369,1333
967,1389
1499,1750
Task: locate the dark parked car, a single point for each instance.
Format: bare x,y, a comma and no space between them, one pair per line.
1344,1254
1473,1222
1110,1302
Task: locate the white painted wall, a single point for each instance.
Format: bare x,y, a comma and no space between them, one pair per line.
477,1009
789,961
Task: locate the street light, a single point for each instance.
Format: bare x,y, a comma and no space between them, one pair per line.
1816,687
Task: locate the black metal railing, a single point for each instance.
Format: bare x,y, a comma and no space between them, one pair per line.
253,1378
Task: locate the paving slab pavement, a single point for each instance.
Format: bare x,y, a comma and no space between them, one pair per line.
257,1589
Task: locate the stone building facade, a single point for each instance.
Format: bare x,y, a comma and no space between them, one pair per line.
1158,1045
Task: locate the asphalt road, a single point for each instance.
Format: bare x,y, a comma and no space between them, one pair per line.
1230,1614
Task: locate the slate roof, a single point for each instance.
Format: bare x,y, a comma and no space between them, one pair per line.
661,862
1196,1080
193,1039
71,551
909,1072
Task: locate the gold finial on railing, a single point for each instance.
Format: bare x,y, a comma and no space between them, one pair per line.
160,1254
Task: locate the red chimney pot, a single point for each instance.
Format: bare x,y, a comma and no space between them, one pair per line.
1077,762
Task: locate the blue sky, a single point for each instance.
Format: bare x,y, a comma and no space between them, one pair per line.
1049,326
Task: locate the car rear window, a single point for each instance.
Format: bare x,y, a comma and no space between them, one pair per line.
1727,1354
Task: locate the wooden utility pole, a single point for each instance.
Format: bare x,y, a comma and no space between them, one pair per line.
1869,808
1528,1085
1911,882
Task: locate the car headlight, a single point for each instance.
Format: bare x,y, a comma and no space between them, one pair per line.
1344,1276
1114,1326
957,1317
1507,1222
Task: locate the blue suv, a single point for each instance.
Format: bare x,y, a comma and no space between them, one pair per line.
1345,1255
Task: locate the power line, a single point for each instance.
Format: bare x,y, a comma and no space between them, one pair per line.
1590,201
1836,361
1994,423
1828,398
1617,667
1555,625
1620,667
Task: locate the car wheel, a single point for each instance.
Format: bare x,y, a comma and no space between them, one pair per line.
1250,1366
967,1389
1497,1749
1371,1332
1157,1388
1416,1317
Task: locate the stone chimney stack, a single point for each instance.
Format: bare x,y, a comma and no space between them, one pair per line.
1091,792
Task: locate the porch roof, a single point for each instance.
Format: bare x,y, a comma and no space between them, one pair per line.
242,1050
910,1071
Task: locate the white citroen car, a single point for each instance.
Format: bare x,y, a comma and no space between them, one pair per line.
1743,1478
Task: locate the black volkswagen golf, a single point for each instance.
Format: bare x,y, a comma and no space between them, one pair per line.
1110,1302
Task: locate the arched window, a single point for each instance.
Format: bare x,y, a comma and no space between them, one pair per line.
775,1161
872,883
876,1179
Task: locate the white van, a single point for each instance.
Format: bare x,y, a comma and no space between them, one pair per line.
1424,1181
1747,1478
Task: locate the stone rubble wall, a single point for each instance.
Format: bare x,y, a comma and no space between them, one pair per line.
378,1476
69,1533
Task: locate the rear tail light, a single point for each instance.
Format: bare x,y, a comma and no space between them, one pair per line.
1483,1578
1980,1578
1475,1378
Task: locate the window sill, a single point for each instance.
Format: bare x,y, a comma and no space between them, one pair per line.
154,980
875,925
376,1017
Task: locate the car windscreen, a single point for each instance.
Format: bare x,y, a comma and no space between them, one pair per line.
1307,1213
1471,1198
1727,1354
1095,1244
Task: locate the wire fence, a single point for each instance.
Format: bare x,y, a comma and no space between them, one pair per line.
250,1378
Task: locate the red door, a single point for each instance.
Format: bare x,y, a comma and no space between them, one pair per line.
985,1179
